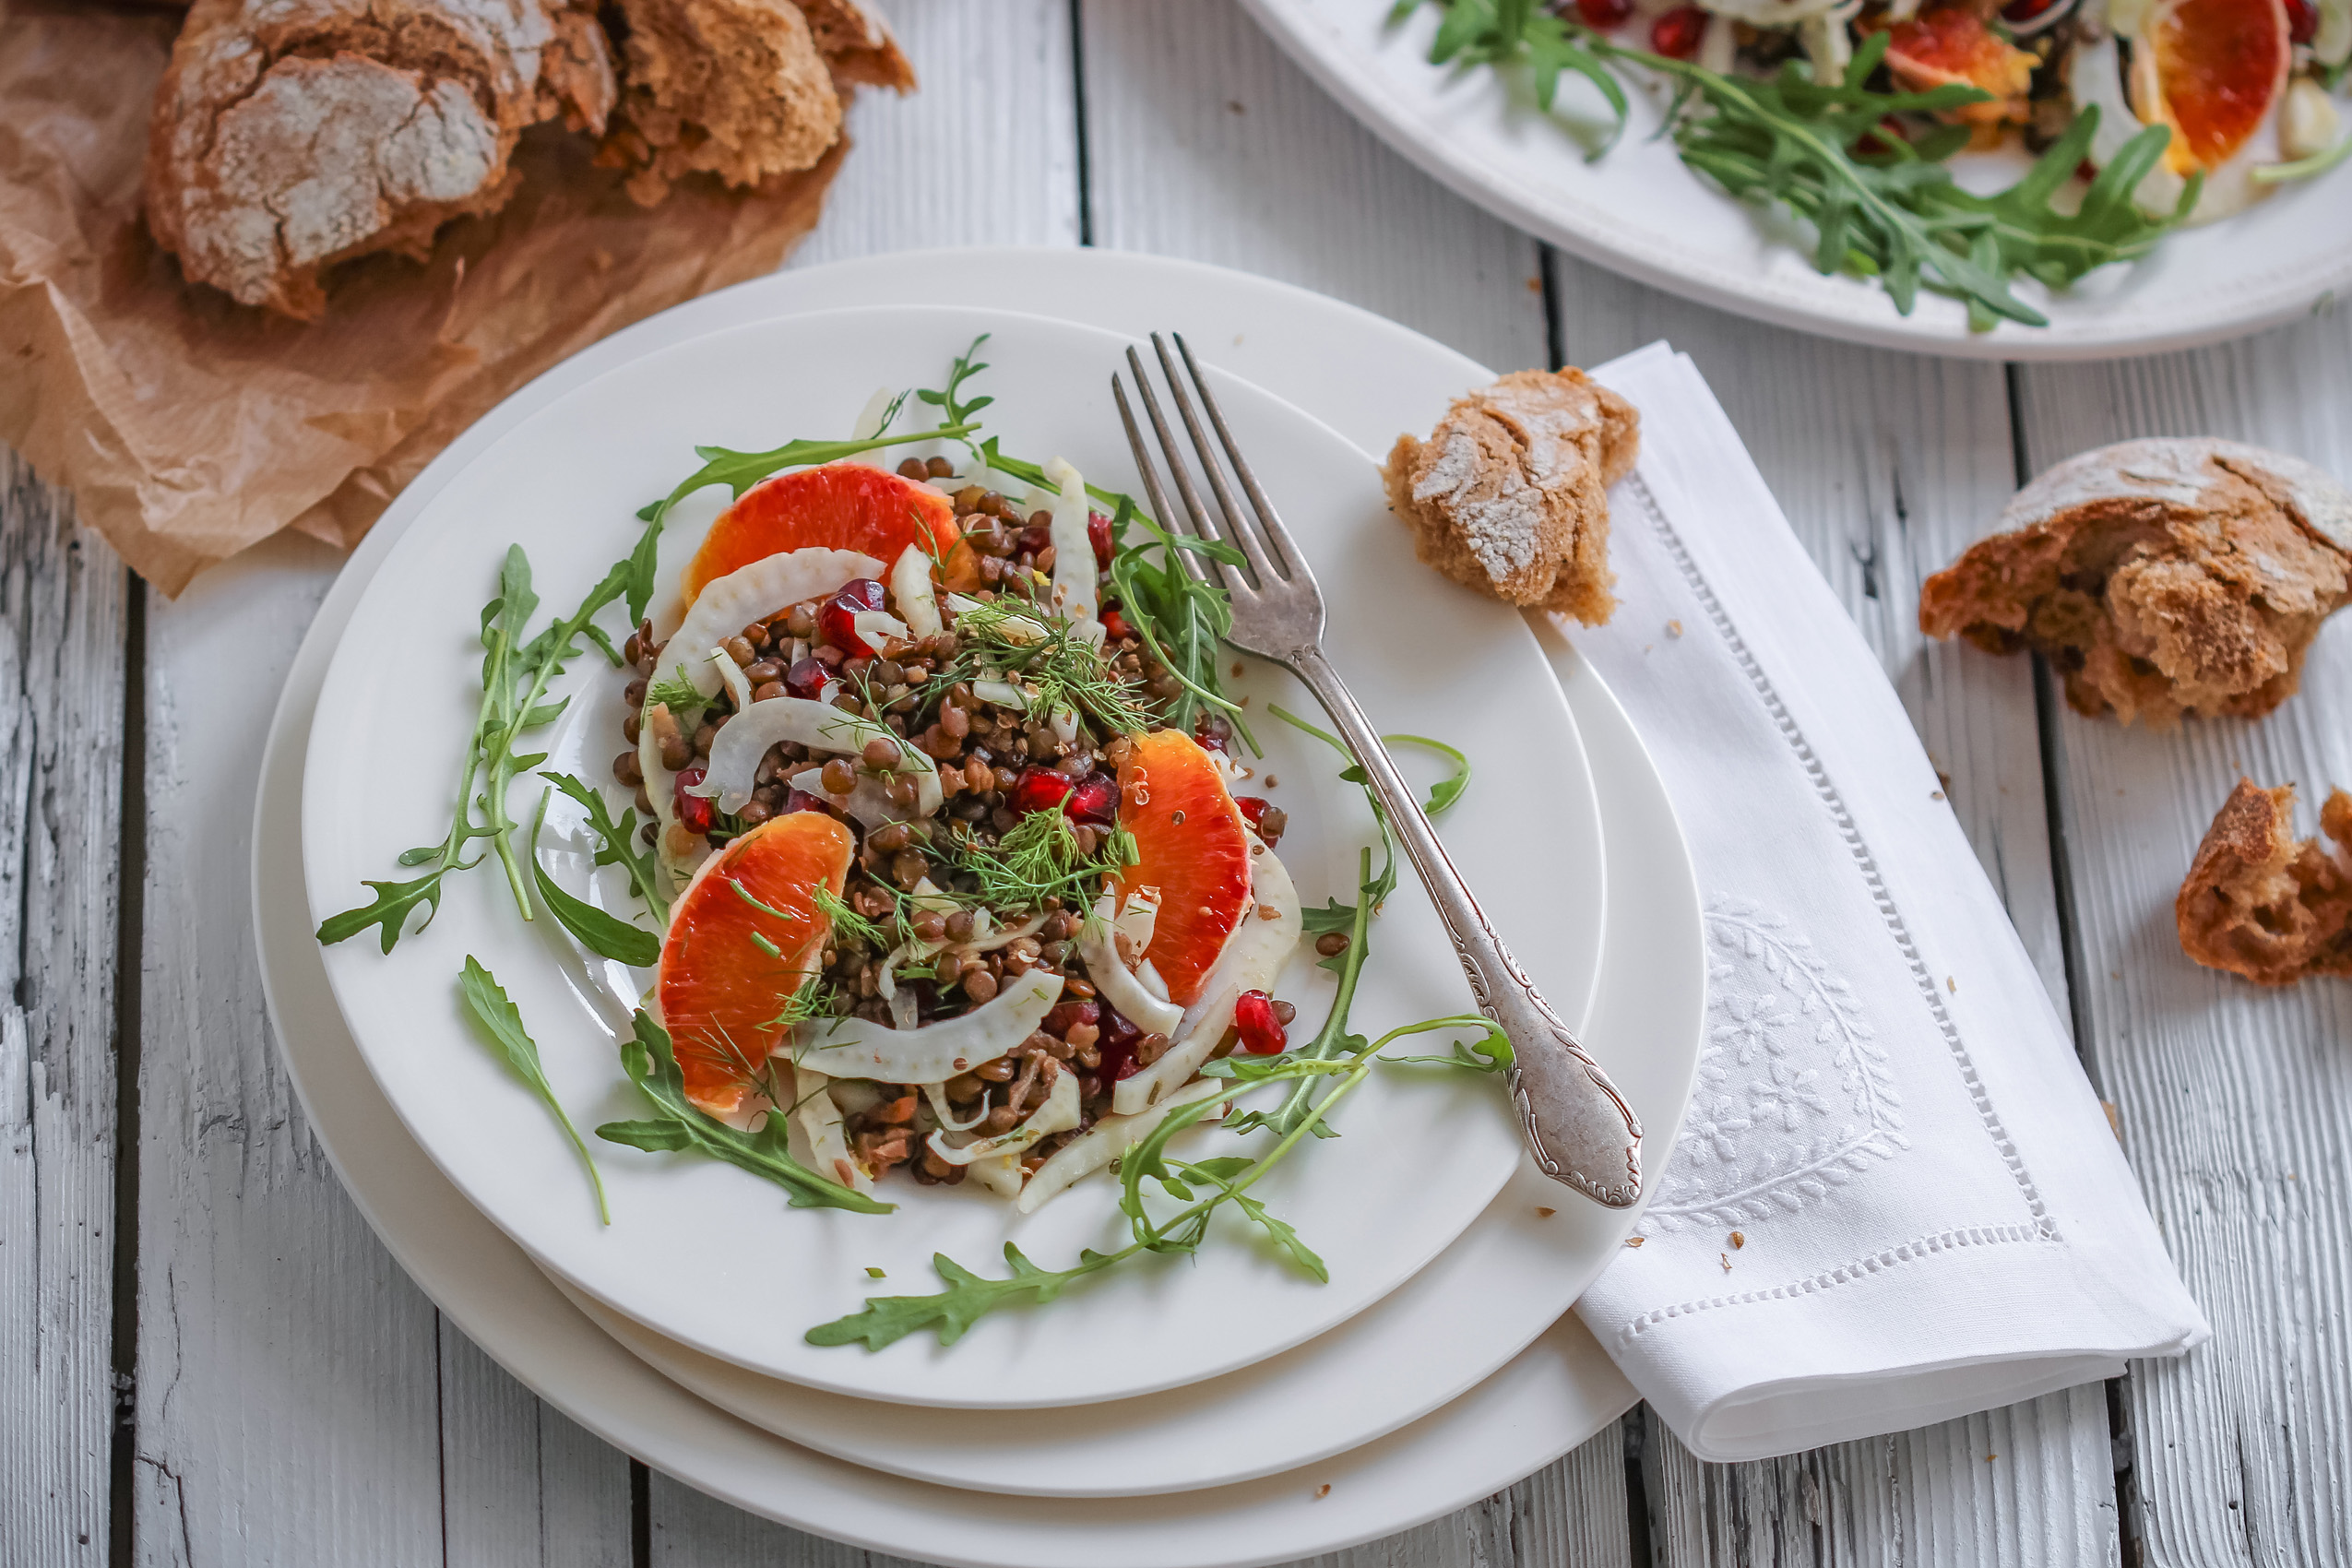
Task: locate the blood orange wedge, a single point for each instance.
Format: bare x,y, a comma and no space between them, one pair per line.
1193,845
2211,70
839,507
1955,45
743,938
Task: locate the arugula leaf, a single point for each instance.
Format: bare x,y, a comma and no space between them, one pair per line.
606,936
944,399
503,1021
648,1058
1285,1237
967,1299
1181,619
1516,32
1442,793
617,842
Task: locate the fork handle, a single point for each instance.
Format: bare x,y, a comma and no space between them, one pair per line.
1577,1126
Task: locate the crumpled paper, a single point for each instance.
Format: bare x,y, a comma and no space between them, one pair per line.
189,427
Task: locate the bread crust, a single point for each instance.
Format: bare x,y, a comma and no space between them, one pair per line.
290,135
2160,577
2257,903
1509,495
738,89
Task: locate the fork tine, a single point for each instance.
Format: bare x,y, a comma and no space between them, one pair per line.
1233,581
1143,466
1269,521
1236,529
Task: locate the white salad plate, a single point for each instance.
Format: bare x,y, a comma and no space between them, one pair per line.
1639,210
1371,377
709,1256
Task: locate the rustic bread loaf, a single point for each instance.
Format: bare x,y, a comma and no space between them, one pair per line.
1509,495
289,135
2159,577
2261,904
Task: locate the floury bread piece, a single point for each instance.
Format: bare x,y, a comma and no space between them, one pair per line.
290,134
1509,495
2261,904
2159,577
745,89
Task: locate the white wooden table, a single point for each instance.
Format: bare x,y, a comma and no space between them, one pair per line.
207,1358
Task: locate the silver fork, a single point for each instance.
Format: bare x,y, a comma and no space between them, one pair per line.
1578,1127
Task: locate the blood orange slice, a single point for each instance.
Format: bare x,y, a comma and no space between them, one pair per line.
1193,845
744,937
2211,70
839,507
1955,45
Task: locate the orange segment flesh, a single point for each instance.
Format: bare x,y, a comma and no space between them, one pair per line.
721,989
1195,848
2220,67
1953,45
839,507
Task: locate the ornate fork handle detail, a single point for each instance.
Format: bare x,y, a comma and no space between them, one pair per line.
1578,1127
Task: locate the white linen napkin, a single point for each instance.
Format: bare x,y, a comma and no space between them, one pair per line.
1895,1199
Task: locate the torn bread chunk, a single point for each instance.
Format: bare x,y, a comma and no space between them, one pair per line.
2159,577
738,89
857,45
1509,495
2261,904
290,135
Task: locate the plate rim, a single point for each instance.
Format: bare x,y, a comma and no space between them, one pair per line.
344,969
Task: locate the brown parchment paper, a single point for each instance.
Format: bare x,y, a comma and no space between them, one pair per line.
189,427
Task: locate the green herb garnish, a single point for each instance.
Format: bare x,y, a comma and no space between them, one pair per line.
606,935
1062,670
1039,859
503,1021
678,1125
1202,1187
1181,620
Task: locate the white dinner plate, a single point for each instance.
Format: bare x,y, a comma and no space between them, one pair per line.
1639,210
1369,375
705,1254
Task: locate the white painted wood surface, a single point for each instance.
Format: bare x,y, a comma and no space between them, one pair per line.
62,641
295,1400
2236,1103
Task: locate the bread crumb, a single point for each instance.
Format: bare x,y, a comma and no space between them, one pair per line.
2261,904
1635,1240
1726,1261
1509,495
1674,628
2114,1119
1738,1240
1546,1212
1935,795
1323,1491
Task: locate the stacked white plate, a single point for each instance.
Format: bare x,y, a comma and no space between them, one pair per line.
1223,1409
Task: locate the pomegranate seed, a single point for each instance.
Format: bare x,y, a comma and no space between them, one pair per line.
1261,1033
1068,1015
1040,789
806,679
1115,626
1095,800
1117,1046
836,624
1252,807
801,801
694,811
1675,34
1212,731
1034,540
1604,15
1098,535
2026,10
2303,20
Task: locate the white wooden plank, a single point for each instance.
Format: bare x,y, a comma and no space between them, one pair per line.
2236,1103
285,1395
62,627
1887,464
1202,141
520,1482
1948,1494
